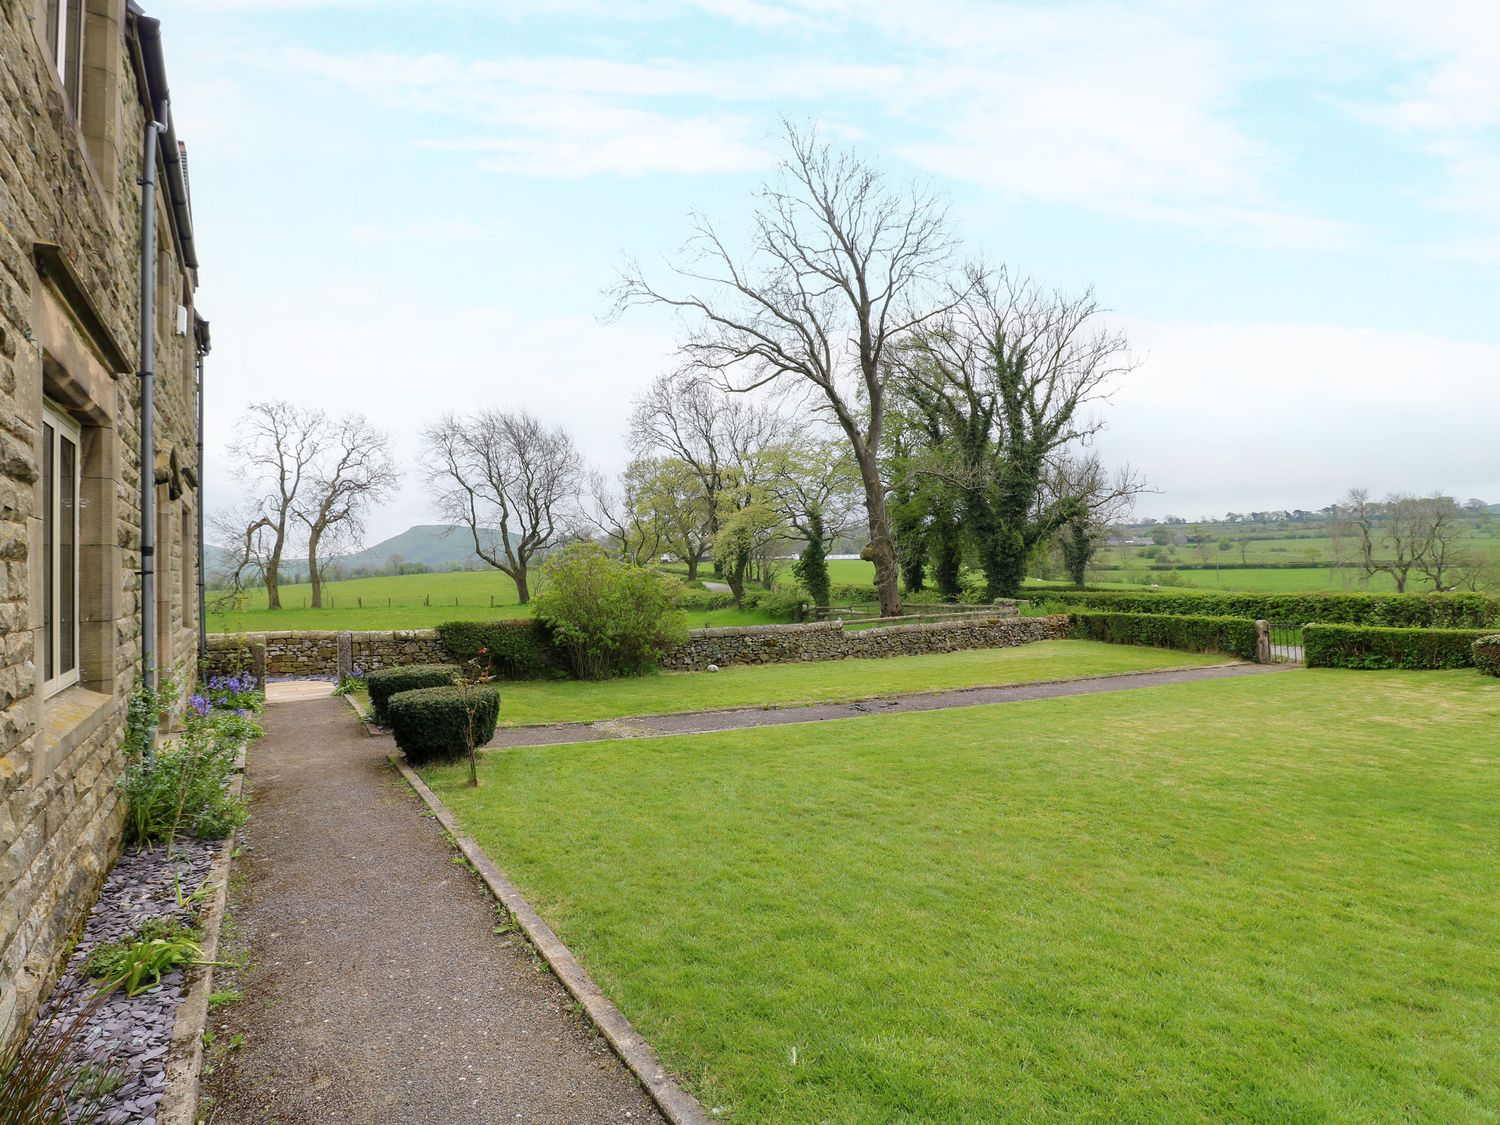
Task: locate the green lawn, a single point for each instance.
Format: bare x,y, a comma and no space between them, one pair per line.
1263,899
828,681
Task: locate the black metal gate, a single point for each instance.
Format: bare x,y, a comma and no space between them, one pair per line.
1286,642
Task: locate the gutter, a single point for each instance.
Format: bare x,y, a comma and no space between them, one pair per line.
151,76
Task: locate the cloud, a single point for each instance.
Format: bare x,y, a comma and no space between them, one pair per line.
1224,414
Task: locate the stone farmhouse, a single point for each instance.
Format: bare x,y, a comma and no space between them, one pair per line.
98,577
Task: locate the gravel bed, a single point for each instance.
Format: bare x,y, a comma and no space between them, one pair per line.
124,1036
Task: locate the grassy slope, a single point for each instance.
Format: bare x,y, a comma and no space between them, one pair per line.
830,680
1268,899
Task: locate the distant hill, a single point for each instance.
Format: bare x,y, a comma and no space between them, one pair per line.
433,546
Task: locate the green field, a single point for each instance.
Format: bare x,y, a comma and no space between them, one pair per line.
828,681
411,601
1268,899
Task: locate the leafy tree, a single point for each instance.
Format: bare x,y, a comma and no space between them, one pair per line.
811,568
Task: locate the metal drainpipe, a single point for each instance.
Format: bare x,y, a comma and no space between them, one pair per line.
202,497
153,131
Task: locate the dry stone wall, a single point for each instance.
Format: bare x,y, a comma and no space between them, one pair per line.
330,654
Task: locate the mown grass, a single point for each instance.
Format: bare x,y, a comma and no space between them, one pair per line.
827,681
1262,899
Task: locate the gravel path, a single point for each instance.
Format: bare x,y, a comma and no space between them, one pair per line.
379,990
705,722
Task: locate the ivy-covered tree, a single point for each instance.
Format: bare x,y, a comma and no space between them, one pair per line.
1008,373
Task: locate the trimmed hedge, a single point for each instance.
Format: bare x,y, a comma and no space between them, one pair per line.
515,649
1356,646
1415,611
383,683
430,723
1487,655
1232,635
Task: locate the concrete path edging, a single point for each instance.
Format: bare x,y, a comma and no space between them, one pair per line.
675,1103
179,1100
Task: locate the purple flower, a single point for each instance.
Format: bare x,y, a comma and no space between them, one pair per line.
199,705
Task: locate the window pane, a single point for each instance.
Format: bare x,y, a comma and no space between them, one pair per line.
55,30
49,538
67,549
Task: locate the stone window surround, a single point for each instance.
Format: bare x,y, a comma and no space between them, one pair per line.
64,516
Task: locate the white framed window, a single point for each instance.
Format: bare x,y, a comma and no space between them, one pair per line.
65,21
60,506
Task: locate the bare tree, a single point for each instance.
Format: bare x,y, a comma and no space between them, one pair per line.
244,531
276,446
351,469
1403,533
623,513
1445,557
717,435
509,479
841,265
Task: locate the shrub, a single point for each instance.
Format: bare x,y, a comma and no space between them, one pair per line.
1232,635
386,682
1487,655
518,649
431,724
784,605
1359,646
607,616
1433,611
701,600
183,788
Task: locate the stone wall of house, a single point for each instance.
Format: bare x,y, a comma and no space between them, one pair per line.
330,654
67,337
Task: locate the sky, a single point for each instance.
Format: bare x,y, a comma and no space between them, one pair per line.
1292,209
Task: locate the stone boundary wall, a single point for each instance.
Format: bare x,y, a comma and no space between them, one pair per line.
341,653
322,653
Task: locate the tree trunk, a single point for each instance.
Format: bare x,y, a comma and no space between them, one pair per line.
882,543
523,590
273,577
313,574
692,564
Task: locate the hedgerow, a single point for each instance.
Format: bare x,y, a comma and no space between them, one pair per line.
1363,646
1487,655
1416,611
515,649
1232,635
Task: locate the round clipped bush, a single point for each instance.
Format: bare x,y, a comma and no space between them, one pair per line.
432,724
1487,655
386,682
